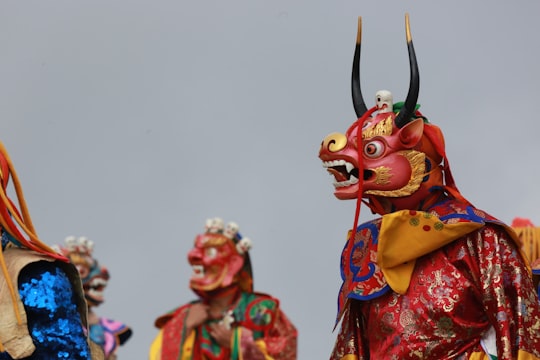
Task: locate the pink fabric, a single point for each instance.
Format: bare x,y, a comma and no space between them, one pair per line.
112,329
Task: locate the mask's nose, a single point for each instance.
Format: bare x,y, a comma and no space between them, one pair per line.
195,256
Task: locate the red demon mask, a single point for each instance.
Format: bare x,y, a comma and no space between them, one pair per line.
391,156
220,259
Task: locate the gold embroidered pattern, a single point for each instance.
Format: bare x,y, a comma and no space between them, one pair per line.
418,167
382,175
382,128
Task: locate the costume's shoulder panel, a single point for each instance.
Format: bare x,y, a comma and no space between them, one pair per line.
274,328
258,294
453,211
162,320
257,311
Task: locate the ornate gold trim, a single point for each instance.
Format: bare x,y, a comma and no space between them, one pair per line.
418,167
382,128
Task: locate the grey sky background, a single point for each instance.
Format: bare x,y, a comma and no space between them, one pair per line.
132,122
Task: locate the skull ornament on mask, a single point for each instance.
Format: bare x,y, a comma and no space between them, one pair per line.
217,261
391,156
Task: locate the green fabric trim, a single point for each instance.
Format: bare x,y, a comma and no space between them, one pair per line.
235,350
397,107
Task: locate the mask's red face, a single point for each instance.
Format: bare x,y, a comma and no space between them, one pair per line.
391,160
215,262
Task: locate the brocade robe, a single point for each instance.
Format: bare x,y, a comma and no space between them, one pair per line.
449,283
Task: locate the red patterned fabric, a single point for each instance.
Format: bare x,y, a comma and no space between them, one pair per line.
173,334
281,341
456,295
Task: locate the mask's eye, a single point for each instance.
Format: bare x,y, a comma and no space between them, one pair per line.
374,149
210,252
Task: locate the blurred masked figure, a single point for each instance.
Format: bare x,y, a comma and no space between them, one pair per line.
228,320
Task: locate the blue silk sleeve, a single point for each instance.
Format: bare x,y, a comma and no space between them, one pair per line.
53,320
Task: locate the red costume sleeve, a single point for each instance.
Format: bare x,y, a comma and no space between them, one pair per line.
281,340
506,290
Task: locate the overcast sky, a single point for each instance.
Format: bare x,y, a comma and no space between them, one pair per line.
132,122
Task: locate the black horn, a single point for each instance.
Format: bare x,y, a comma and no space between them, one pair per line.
358,102
407,111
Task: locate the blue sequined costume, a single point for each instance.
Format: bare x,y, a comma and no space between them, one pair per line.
54,321
43,314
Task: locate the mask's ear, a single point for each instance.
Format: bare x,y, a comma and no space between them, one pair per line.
410,134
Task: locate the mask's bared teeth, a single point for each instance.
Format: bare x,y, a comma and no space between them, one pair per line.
198,271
